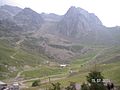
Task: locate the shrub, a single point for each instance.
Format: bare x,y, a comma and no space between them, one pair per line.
55,86
84,86
36,83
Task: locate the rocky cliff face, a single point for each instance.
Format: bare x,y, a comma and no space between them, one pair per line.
84,27
77,21
4,15
77,24
9,30
51,17
29,19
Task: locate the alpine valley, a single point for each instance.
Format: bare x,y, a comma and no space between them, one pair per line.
34,45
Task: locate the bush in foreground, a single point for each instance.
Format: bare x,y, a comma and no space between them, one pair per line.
36,83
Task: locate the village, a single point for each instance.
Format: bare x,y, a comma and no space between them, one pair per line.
17,85
13,86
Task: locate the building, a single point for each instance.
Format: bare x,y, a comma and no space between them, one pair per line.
63,65
2,85
14,86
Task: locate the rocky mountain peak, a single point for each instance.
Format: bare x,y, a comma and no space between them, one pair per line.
31,15
13,10
77,22
29,18
51,17
28,11
72,10
79,12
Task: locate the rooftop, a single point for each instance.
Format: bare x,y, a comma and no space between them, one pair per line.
2,83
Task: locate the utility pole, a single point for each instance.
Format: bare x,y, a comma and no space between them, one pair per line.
95,66
49,80
95,46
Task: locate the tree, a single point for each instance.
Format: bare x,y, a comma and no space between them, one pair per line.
84,86
36,83
95,79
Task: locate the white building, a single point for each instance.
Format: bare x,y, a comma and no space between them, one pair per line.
63,65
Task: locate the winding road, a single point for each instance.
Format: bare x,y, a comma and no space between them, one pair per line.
18,43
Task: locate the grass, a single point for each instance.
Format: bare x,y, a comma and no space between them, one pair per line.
21,59
110,70
107,71
44,71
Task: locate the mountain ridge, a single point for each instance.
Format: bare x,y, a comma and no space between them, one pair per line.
13,10
29,19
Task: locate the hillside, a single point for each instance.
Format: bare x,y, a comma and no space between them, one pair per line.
81,67
13,59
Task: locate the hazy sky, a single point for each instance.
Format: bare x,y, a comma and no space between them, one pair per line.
108,11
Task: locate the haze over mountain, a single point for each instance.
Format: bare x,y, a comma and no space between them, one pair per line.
77,20
86,27
77,24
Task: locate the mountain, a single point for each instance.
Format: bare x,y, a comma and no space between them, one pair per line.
84,27
4,15
77,21
29,41
7,12
29,19
12,10
8,28
51,17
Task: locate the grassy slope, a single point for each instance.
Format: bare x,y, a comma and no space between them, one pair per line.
21,59
110,70
43,71
110,65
